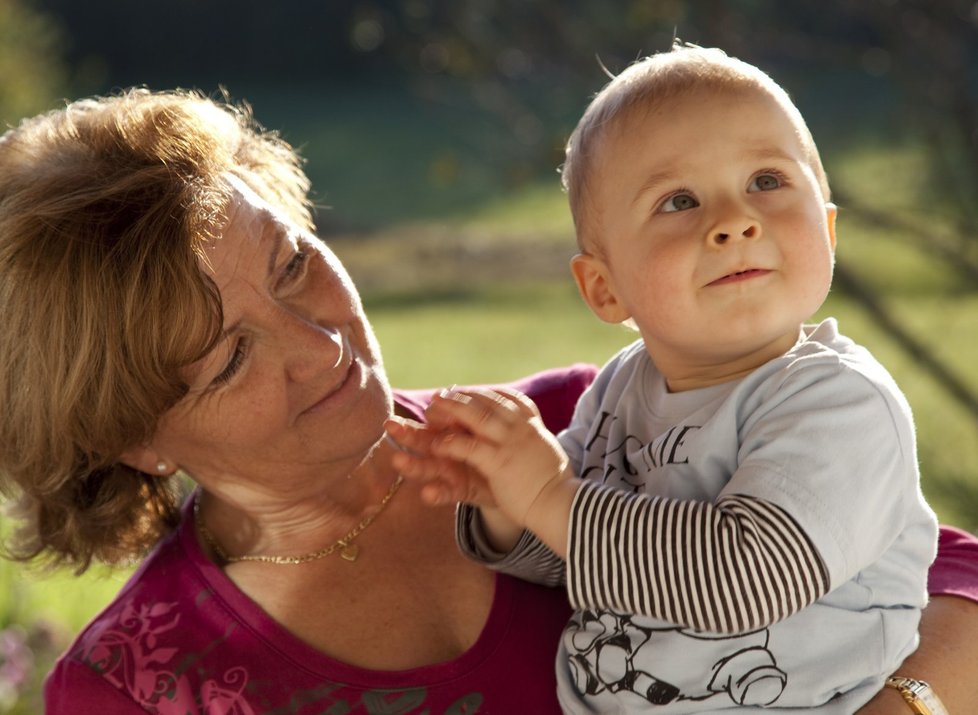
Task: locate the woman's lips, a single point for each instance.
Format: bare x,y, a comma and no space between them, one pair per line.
740,276
337,394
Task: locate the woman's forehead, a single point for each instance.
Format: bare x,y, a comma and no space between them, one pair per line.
253,230
246,203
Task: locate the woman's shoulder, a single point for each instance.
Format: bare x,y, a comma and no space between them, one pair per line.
955,571
177,634
73,688
133,645
556,392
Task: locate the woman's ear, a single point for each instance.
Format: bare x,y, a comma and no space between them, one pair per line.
145,459
594,283
831,211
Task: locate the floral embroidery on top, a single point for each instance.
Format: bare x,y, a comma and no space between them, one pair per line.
131,654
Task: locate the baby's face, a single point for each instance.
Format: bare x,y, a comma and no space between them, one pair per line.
714,235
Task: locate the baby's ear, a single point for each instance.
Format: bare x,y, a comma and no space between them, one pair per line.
831,211
594,282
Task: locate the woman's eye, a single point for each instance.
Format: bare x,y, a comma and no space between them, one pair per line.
234,364
679,202
765,182
294,267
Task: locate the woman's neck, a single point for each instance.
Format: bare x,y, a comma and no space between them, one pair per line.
299,516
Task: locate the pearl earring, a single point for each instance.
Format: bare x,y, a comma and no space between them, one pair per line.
161,467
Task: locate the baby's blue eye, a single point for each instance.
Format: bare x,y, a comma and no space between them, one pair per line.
765,182
679,202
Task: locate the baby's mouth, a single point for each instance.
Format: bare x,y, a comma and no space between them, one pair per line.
737,276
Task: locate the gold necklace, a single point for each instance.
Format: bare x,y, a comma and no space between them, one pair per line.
348,550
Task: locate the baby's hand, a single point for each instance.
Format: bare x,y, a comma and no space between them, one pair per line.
444,479
500,435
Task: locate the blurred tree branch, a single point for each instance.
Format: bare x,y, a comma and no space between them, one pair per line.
957,247
883,318
934,49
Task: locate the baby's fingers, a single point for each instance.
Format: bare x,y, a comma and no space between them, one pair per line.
408,435
523,404
480,455
442,481
438,477
484,413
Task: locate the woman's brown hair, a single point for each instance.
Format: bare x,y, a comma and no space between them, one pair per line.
105,208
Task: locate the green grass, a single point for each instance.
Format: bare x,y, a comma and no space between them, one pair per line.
31,594
490,334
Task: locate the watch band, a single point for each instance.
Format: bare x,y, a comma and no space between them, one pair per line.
919,695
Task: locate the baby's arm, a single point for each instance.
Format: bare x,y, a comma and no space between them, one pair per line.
509,460
512,461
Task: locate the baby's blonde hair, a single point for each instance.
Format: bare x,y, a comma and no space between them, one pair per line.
646,84
105,209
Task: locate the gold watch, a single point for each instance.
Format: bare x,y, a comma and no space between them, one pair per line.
919,695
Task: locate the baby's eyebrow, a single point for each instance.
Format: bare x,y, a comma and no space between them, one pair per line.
764,153
654,180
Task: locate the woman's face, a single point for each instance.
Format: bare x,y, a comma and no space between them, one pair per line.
295,388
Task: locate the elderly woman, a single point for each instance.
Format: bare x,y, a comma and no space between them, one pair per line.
173,311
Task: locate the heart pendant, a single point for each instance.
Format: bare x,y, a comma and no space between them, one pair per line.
350,552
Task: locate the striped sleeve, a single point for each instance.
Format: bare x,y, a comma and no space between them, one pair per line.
530,559
727,567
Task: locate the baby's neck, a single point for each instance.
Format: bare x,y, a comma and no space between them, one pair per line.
686,374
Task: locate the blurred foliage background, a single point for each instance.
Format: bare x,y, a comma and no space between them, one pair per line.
433,129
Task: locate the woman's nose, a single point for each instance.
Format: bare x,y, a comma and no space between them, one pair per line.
310,347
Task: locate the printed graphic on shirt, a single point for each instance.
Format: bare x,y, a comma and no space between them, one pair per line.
133,656
613,653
